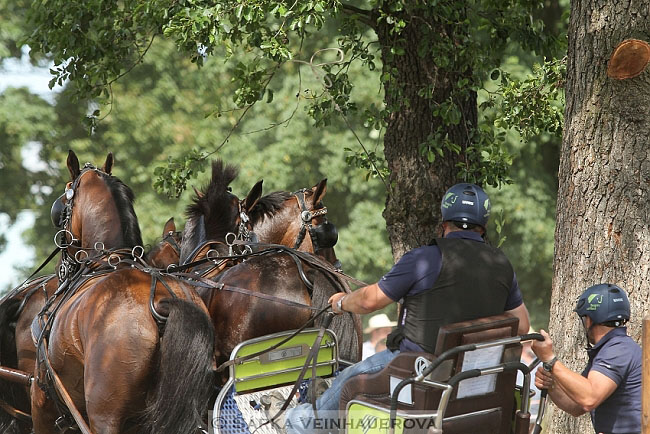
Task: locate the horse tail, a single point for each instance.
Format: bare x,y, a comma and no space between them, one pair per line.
347,327
184,376
11,393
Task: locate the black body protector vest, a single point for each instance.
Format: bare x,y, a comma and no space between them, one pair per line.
474,282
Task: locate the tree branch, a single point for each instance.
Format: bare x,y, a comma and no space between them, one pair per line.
364,14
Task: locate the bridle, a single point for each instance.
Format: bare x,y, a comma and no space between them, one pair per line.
170,238
321,235
61,218
245,228
244,233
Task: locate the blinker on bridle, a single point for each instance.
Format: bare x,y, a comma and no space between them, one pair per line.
324,235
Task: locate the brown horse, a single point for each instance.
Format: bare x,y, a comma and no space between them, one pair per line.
23,303
277,218
105,347
167,252
17,312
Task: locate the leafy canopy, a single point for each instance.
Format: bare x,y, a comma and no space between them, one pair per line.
96,42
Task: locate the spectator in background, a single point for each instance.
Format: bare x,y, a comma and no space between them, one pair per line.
379,326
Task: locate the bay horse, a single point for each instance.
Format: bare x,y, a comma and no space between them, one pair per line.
17,312
120,367
167,252
277,218
21,305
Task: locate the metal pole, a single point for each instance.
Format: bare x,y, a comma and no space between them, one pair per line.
16,376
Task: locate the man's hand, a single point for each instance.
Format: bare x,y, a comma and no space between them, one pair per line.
543,379
334,301
544,349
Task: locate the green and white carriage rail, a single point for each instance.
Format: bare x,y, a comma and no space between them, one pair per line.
277,369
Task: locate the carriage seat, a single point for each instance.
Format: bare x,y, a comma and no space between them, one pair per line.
487,409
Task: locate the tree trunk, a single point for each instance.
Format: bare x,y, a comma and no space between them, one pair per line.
604,179
416,186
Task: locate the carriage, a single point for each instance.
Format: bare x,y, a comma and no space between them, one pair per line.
468,385
410,397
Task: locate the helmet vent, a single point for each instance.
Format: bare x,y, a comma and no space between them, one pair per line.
469,193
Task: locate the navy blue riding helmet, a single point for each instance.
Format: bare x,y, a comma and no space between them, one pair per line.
466,203
604,304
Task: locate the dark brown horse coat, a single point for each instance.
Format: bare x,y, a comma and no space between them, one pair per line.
104,344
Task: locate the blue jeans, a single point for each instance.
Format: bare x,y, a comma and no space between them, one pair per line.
300,418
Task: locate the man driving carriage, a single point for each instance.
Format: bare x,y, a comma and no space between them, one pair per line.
456,278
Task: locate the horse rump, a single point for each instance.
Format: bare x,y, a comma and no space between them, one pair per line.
184,378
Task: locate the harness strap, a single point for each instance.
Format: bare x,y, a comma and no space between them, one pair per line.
20,287
305,219
301,272
41,284
63,393
160,319
307,257
207,283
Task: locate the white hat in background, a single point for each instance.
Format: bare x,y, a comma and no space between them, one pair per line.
379,321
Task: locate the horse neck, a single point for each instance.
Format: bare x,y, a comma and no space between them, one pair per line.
283,228
99,223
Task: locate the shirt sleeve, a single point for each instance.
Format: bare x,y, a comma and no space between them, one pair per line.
515,298
412,271
612,361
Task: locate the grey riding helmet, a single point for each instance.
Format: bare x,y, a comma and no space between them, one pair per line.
466,203
604,303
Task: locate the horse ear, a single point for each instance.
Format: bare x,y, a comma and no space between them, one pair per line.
198,193
253,196
319,191
170,226
108,164
73,165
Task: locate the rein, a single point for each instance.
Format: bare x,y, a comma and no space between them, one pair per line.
207,283
312,357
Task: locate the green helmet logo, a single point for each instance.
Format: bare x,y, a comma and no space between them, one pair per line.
449,200
486,206
594,300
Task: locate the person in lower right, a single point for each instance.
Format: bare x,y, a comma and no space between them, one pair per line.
610,385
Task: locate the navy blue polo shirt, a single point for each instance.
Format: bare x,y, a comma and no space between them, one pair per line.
617,356
419,269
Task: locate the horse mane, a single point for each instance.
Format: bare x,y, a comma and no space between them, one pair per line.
213,206
124,197
268,205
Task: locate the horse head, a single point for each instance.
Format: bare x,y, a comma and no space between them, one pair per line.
298,220
96,207
168,250
215,211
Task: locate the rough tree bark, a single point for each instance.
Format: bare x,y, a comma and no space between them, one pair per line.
412,210
603,217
